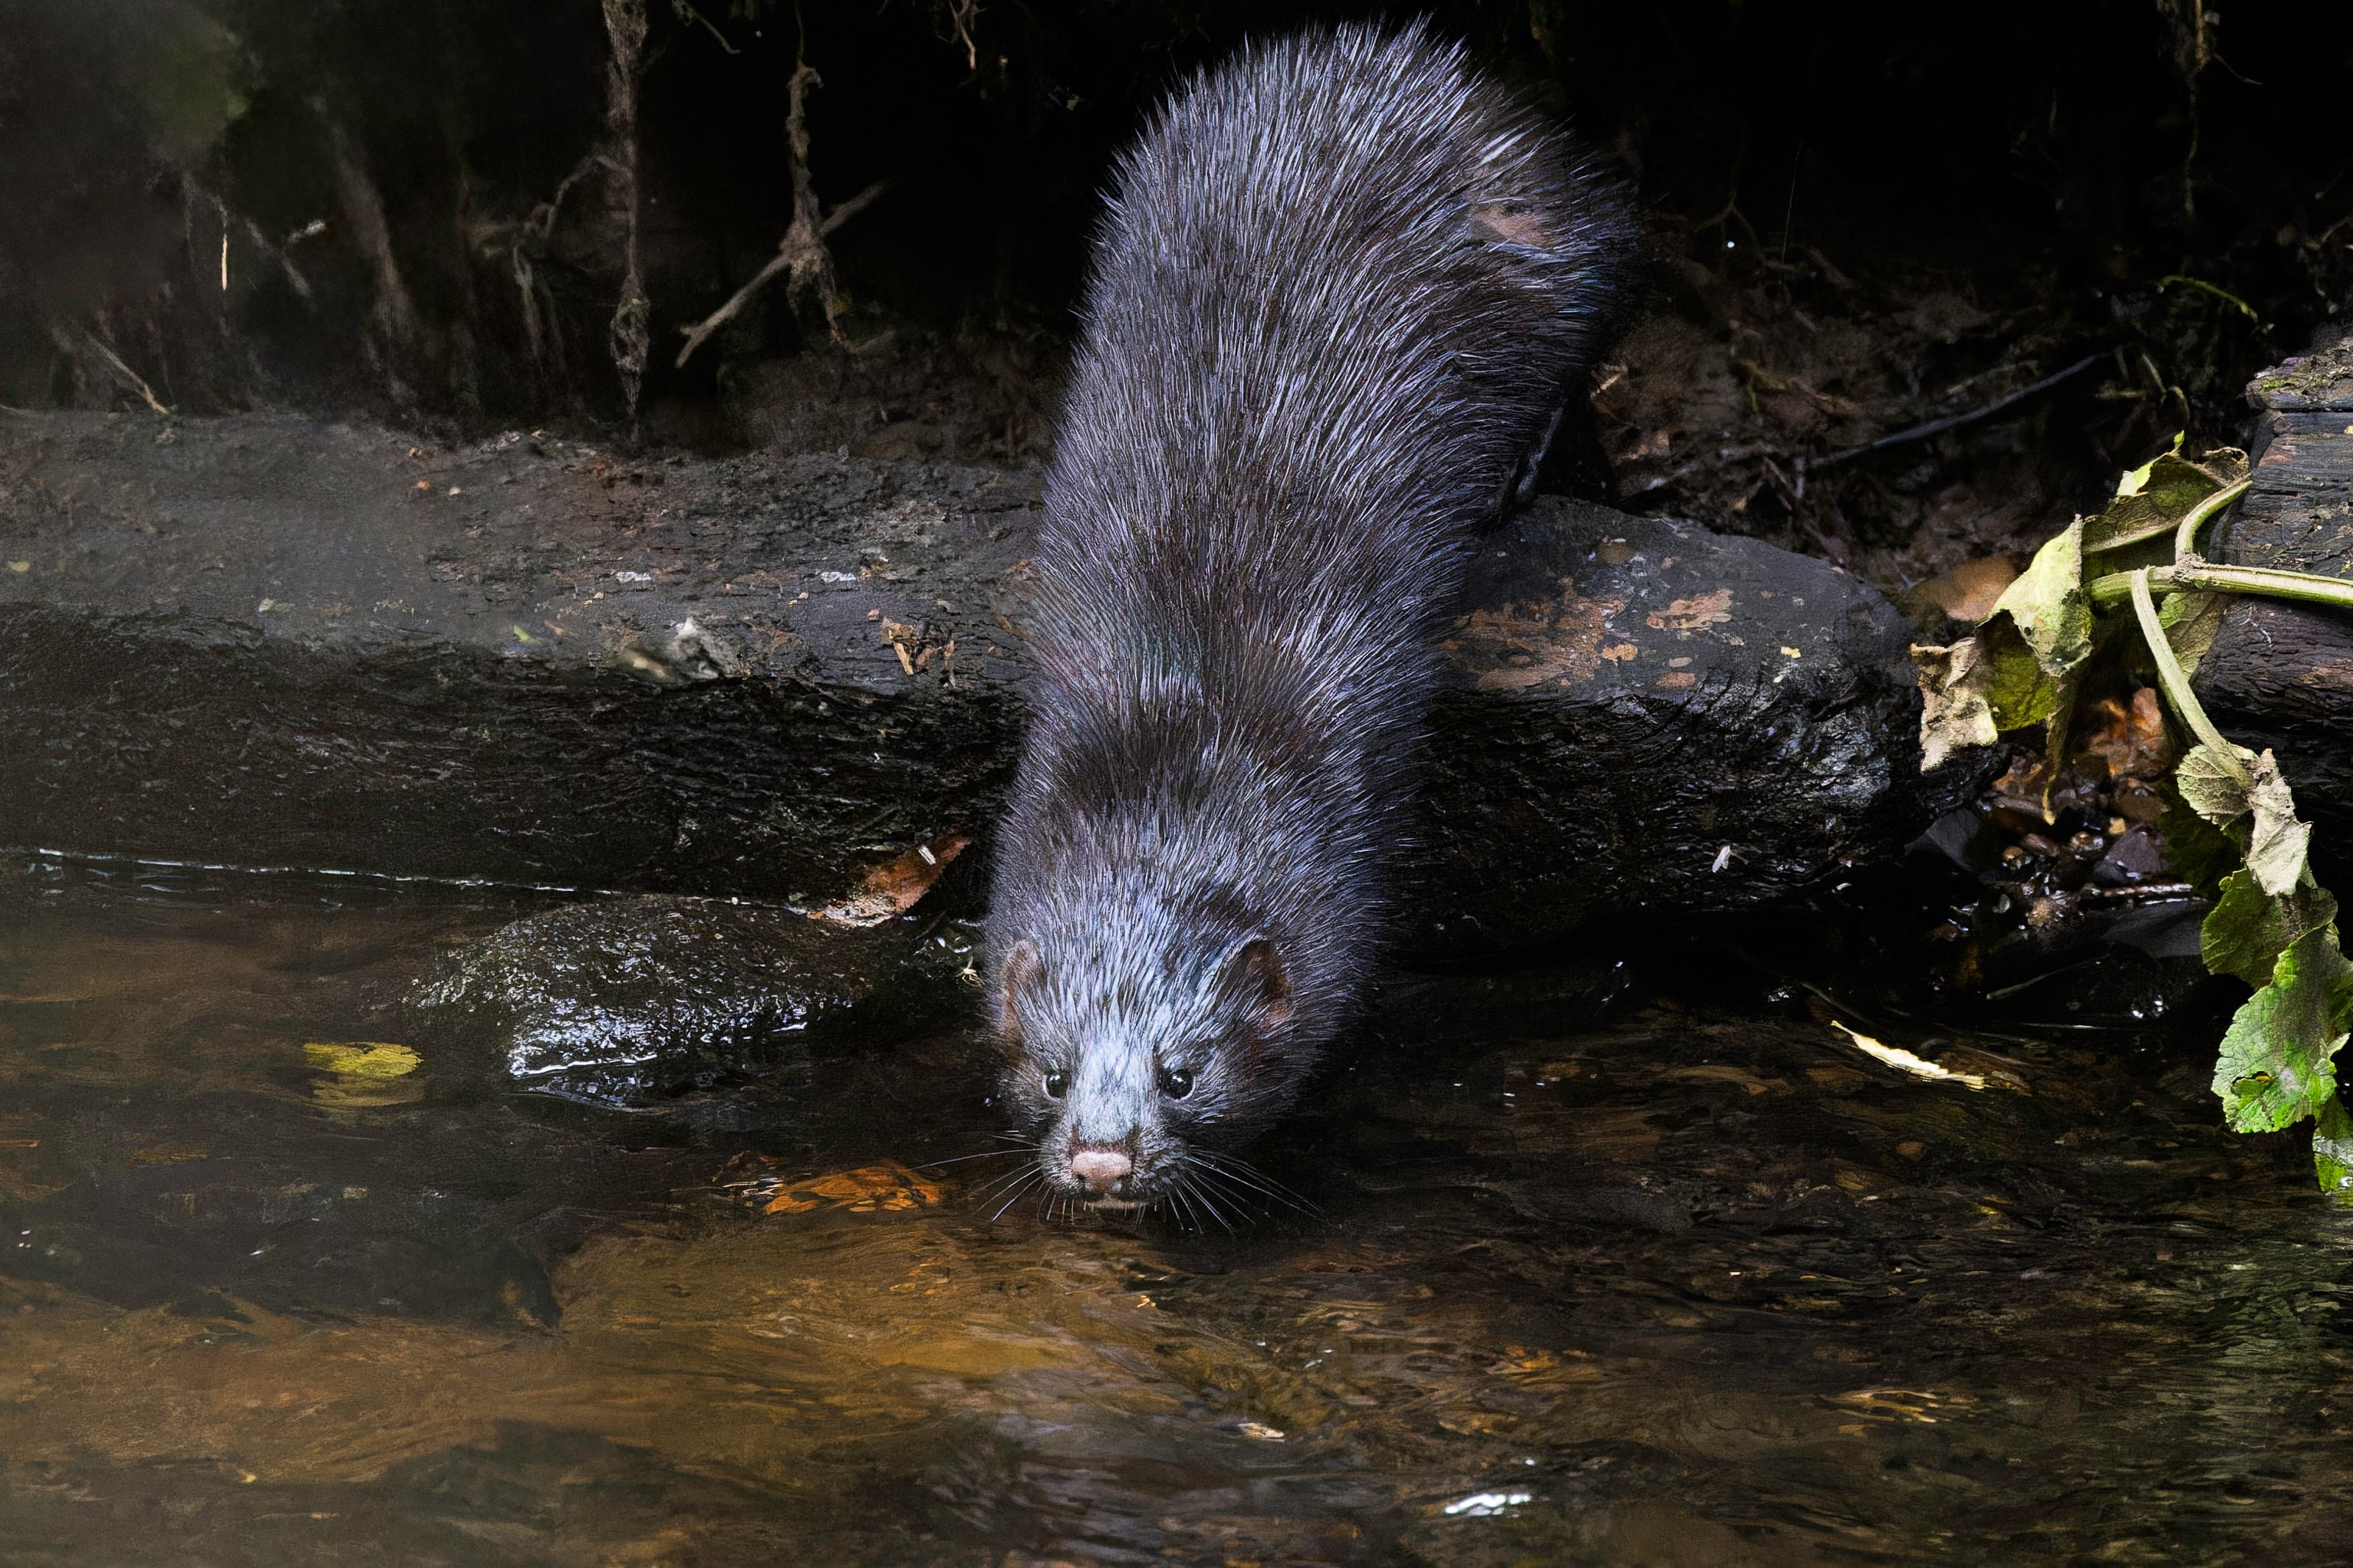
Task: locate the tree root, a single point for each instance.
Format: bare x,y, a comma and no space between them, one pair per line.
802,257
632,339
90,343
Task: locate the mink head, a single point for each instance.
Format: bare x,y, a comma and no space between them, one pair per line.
1132,1061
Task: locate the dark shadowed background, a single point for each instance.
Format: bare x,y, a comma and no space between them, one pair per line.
1863,214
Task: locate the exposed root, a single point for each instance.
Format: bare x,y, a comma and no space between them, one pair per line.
2193,51
1953,421
632,340
91,343
960,15
685,12
397,326
801,259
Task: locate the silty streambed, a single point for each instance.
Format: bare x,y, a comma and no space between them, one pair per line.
1668,1280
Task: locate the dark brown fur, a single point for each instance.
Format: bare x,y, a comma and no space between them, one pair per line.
1343,283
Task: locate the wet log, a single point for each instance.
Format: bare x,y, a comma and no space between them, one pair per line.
2280,675
268,640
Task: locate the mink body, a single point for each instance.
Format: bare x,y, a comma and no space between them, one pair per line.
1342,285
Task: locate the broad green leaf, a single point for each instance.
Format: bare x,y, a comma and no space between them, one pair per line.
2195,847
2209,788
2135,480
2017,690
2332,1152
2153,499
2275,1068
2247,929
2047,604
2191,621
2277,844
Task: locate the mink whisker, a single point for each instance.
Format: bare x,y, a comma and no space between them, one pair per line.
1014,1195
1240,1172
960,1159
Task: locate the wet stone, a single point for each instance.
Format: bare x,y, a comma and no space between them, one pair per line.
636,999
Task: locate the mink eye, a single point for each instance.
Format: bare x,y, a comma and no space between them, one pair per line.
1058,1084
1175,1082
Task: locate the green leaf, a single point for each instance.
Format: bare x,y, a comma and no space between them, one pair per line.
2153,499
2017,691
2191,622
2137,479
2332,1152
2247,929
2275,1068
2046,604
2200,852
2211,787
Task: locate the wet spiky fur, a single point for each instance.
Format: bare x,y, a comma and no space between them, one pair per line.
1342,285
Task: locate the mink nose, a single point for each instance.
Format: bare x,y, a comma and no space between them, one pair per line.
1099,1165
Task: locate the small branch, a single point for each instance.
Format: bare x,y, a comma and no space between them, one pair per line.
698,333
294,279
130,379
2175,684
790,257
687,13
852,207
1955,421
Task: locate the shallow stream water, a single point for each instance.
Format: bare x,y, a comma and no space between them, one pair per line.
1611,1265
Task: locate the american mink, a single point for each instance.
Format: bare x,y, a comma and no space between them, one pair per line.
1342,285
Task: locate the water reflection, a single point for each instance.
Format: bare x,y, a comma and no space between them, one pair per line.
1684,1286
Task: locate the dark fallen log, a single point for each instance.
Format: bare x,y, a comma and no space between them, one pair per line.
2280,675
265,640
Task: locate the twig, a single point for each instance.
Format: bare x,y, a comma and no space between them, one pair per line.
962,15
849,209
130,379
687,13
1953,421
294,279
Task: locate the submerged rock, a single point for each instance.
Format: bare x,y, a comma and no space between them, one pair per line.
646,998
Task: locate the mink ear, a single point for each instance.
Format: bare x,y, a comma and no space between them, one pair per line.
1255,975
1023,972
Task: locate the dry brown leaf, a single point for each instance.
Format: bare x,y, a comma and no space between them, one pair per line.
892,887
1969,591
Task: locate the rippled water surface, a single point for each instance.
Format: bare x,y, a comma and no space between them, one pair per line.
1671,1282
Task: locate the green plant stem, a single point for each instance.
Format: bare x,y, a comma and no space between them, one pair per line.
2264,582
2185,541
2171,679
2222,294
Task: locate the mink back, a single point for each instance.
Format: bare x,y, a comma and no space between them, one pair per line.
1341,287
